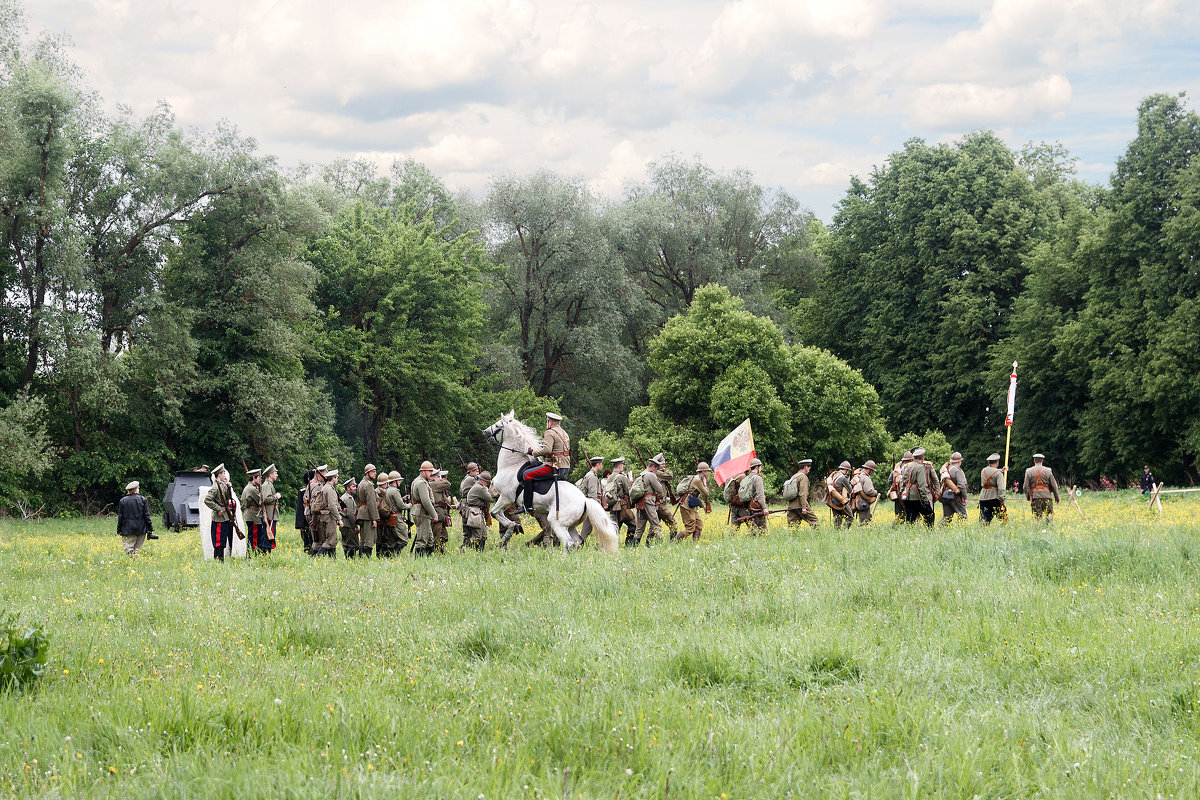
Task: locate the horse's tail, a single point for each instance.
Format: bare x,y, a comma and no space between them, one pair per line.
605,535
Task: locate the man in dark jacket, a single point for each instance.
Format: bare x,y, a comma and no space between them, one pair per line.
133,520
1147,481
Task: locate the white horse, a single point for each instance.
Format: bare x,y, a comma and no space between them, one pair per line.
566,511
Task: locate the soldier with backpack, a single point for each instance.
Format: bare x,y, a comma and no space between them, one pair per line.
665,515
620,507
953,490
732,495
837,495
1040,486
693,492
589,484
920,482
646,491
796,493
865,493
754,498
896,487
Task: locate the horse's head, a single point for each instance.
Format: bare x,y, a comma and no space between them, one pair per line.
495,431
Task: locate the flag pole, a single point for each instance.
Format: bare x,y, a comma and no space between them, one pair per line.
1008,420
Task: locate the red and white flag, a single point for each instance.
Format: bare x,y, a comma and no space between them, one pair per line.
1012,395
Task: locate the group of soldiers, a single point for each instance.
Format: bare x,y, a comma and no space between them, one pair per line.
374,516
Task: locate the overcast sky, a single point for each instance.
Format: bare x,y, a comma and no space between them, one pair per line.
803,92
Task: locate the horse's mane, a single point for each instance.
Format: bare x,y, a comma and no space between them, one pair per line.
528,434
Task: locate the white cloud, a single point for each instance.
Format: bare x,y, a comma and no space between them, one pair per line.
971,104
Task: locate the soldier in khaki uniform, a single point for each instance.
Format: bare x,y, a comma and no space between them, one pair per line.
620,509
800,507
252,514
555,452
843,512
867,493
270,503
309,534
648,504
220,500
348,507
398,505
666,515
468,480
589,484
697,497
442,501
326,514
1040,486
424,511
477,512
896,489
755,511
920,483
956,482
385,536
367,514
991,491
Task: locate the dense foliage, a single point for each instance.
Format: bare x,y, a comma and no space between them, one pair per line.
175,298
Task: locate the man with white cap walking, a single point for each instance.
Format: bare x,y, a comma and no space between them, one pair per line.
589,484
800,507
133,519
954,491
1040,486
991,491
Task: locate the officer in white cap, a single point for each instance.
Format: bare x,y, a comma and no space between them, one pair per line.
991,491
1040,486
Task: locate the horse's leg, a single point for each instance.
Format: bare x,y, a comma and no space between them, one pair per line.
560,530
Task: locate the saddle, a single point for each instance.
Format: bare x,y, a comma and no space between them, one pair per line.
540,476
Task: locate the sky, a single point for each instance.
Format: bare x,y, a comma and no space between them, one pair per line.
804,93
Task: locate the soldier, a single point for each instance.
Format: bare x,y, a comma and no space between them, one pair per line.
954,482
349,509
1040,486
133,520
270,503
589,484
252,514
478,507
468,480
385,531
800,508
367,514
666,516
220,500
315,481
325,518
756,509
864,499
919,486
620,508
697,496
555,452
731,493
991,491
838,500
397,502
442,501
425,511
647,505
896,487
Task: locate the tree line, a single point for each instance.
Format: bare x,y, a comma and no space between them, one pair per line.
174,297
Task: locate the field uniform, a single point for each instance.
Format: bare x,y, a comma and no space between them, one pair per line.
867,493
475,508
958,506
844,516
367,515
424,513
325,517
800,507
399,529
589,484
919,486
620,510
693,502
252,516
647,515
666,514
441,500
270,505
1042,490
757,504
349,507
991,492
218,499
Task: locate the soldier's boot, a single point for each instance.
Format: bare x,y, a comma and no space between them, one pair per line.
364,552
349,552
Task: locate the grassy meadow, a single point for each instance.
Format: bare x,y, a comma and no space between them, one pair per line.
1022,661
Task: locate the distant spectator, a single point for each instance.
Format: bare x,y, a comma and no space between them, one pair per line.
133,519
1147,481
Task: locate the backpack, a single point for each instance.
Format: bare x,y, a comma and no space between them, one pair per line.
684,485
638,490
790,490
831,494
746,490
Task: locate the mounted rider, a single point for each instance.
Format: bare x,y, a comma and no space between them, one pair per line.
555,453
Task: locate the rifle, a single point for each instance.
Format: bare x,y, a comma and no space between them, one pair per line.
458,453
763,513
670,489
792,458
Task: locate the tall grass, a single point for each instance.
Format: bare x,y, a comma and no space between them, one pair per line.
1053,660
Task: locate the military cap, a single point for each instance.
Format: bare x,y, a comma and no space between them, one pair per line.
333,473
472,465
219,468
250,473
868,464
322,468
443,473
994,457
485,476
656,460
553,416
907,456
596,460
267,470
618,460
396,476
703,467
368,468
754,462
129,487
802,462
1037,456
956,457
425,465
845,465
918,452
662,459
